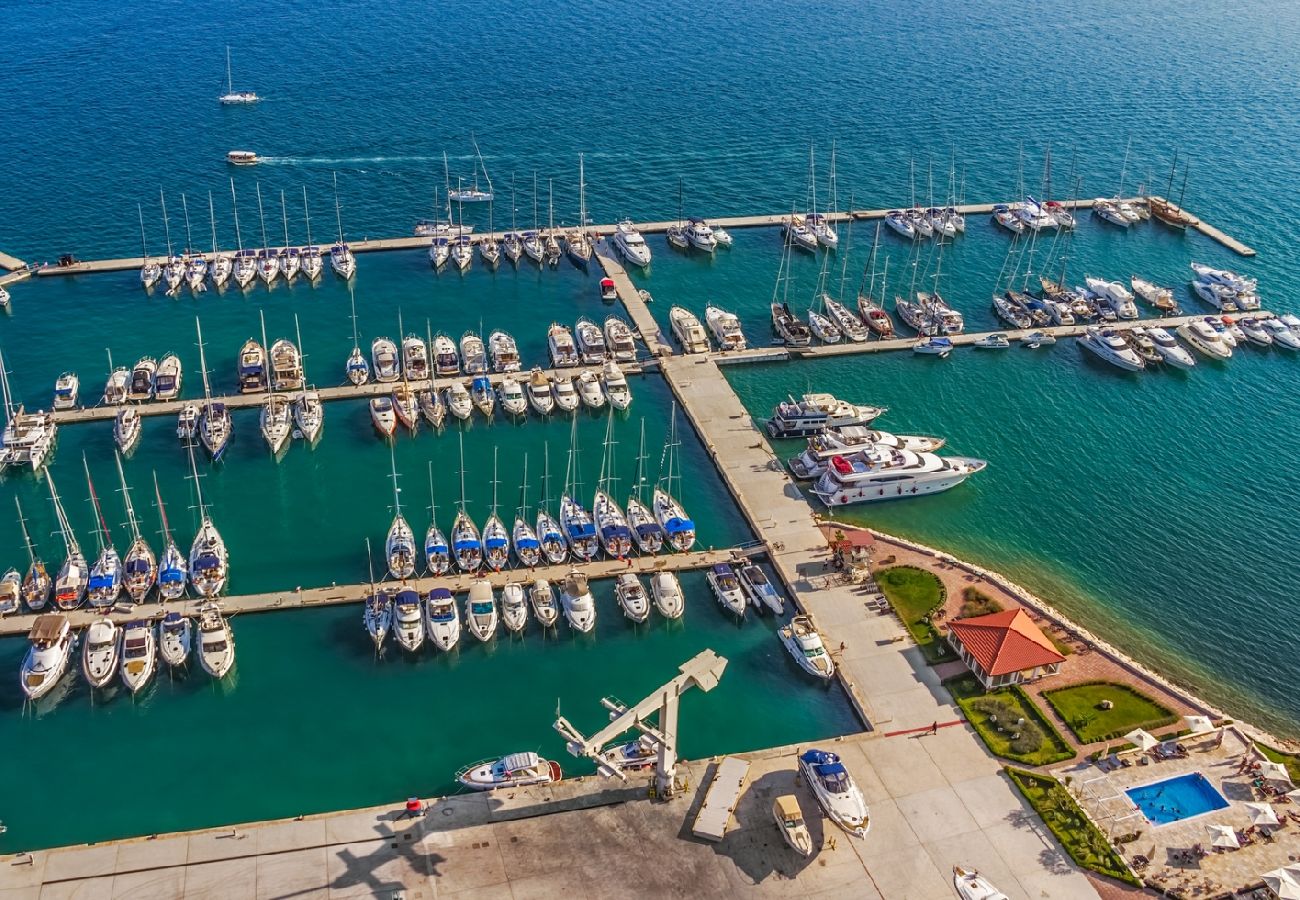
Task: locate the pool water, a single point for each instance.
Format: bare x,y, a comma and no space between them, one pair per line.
1175,799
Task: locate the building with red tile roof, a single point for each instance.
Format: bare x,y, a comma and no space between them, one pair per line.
1004,648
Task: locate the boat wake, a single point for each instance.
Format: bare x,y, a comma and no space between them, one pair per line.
342,161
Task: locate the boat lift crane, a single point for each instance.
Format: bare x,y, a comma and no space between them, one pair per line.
702,671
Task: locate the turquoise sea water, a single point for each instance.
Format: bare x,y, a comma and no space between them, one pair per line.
1155,508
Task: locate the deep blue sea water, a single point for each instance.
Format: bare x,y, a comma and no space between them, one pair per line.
1157,509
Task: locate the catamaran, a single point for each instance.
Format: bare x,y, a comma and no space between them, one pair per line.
140,567
669,513
437,553
496,540
399,546
36,586
232,96
173,568
209,559
549,533
106,573
74,575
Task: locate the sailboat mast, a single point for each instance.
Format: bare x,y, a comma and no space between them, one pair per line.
433,503
461,435
203,366
126,499
535,226
302,354
167,229
266,350
1172,169
27,538
144,244
338,212
239,241
640,464
446,184
812,177
306,214
494,481
1124,168
212,217
162,512
189,241
230,84
102,534
260,215
70,545
284,214
582,197
352,297
397,501
523,491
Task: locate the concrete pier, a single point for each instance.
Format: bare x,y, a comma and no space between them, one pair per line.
11,262
332,595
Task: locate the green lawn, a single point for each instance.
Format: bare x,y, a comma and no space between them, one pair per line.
1039,744
1081,839
1290,760
915,594
1079,706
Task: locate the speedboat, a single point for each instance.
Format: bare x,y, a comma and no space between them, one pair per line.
378,617
887,473
383,416
473,354
667,593
47,659
545,607
797,234
308,415
611,526
971,885
408,620
620,397
65,391
789,818
167,378
631,244
823,328
564,352
496,543
466,547
505,353
576,601
632,756
725,327
688,330
835,791
1220,296
589,389
513,771
1281,334
276,422
100,651
726,588
566,395
399,548
722,236
933,346
11,600
762,593
415,358
139,655
481,611
646,532
700,235
619,340
591,342
1254,331
1110,346
252,368
116,386
442,619
175,637
995,341
514,607
631,596
140,387
551,537
578,529
1162,298
800,637
792,331
1170,350
482,395
126,428
1228,330
459,401
383,353
446,361
528,549
539,392
216,642
673,520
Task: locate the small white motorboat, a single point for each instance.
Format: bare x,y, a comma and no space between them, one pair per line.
632,597
726,587
590,391
100,651
789,818
408,620
139,655
539,392
513,771
971,885
65,391
1281,334
616,389
566,395
481,611
801,638
545,607
175,637
514,607
1205,339
577,603
216,642
996,341
667,592
442,619
1169,349
47,658
762,593
933,346
1036,339
835,791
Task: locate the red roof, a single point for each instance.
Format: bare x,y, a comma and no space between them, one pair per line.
1005,642
856,538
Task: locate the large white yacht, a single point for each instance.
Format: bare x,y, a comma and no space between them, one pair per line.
816,457
725,327
47,659
1118,296
1109,345
631,244
1205,339
688,330
886,473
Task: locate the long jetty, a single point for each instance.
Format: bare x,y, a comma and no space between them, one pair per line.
369,245
335,594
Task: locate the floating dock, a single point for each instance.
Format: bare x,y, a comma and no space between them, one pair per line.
332,595
370,245
12,263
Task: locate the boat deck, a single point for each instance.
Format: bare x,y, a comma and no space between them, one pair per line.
332,595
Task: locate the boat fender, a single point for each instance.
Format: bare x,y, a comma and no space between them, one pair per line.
844,498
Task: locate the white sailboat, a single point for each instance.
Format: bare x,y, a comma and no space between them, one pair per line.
378,613
496,540
577,243
466,546
106,572
74,575
437,552
150,271
268,261
290,258
311,259
232,96
37,584
223,266
646,531
528,549
140,568
669,513
173,568
209,559
611,522
341,258
549,533
245,260
575,522
399,546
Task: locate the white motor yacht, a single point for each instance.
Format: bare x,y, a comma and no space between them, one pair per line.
473,354
619,340
126,428
1109,211
512,396
545,607
933,346
1254,331
667,593
383,416
566,395
383,354
47,659
408,620
886,473
725,327
175,638
115,388
563,349
1238,283
514,607
760,590
539,392
1118,296
481,611
216,642
100,652
504,352
631,596
513,771
578,604
139,655
590,390
65,391
1281,334
835,791
726,587
1109,345
591,342
1169,349
700,235
971,885
1220,296
722,236
616,389
458,400
815,458
800,637
631,244
442,619
688,330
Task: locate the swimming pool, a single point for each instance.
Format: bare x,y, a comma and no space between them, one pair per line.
1175,799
